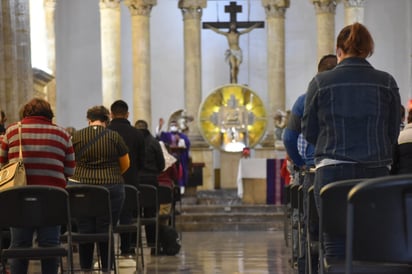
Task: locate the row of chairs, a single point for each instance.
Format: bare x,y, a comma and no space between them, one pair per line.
373,216
30,206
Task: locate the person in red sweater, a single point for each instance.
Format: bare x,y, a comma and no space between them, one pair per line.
284,170
48,158
170,175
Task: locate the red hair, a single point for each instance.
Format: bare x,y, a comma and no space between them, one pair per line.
355,40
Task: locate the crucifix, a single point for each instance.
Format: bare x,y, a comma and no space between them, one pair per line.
233,55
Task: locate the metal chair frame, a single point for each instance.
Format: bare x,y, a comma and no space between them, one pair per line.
36,206
132,204
379,226
96,199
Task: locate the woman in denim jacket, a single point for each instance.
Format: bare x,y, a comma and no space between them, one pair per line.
352,117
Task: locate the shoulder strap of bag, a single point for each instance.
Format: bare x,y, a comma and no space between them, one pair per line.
20,145
89,144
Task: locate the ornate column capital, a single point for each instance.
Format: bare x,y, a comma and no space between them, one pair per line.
109,4
49,3
275,8
192,9
354,3
140,7
325,6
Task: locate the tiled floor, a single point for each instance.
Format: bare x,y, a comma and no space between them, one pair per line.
255,252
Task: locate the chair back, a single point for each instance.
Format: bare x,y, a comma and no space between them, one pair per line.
92,201
131,201
380,220
34,205
148,196
300,199
286,194
89,201
313,217
165,194
294,196
332,215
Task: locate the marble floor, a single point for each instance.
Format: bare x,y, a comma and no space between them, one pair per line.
231,252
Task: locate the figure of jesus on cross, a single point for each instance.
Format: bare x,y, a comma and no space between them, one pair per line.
234,54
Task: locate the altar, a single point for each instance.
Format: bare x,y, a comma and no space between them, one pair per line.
259,181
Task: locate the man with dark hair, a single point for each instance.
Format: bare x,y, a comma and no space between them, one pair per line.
135,142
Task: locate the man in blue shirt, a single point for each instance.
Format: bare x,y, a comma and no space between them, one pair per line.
302,155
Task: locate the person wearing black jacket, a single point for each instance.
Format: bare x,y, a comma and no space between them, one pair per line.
153,166
134,140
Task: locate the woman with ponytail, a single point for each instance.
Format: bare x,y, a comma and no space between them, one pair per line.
352,117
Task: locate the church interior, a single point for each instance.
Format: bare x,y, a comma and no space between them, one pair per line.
161,57
94,52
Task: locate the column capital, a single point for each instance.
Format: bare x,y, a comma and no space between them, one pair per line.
109,4
192,9
354,3
140,7
49,3
275,8
325,6
197,4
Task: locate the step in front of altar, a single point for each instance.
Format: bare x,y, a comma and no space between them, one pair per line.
222,210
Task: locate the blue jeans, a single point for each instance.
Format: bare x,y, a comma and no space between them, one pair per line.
335,246
23,237
98,225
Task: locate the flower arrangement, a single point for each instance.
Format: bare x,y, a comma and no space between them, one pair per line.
246,152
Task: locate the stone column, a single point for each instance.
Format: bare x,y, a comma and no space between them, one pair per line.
110,51
275,26
50,89
16,76
2,55
192,13
140,12
354,11
325,17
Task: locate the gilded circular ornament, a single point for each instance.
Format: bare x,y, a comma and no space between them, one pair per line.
232,117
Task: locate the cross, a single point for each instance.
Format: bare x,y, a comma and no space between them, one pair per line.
233,9
234,54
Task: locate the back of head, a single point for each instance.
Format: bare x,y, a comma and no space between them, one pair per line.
327,62
37,107
355,40
141,124
409,118
98,113
119,108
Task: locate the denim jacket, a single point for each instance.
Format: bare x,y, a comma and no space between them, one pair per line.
352,113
